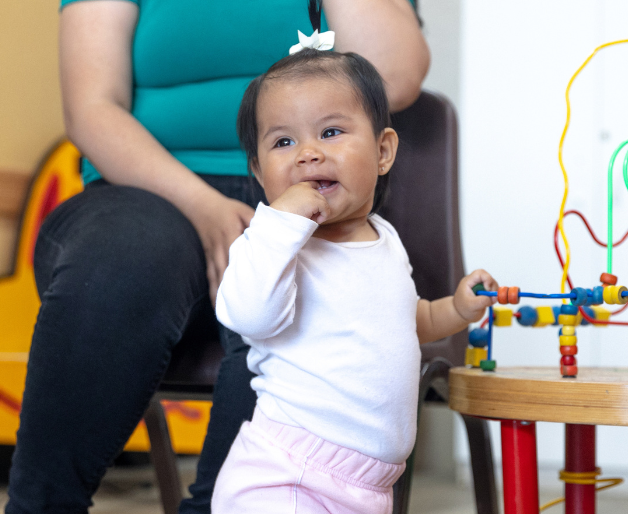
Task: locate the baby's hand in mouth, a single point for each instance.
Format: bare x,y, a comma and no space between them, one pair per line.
306,199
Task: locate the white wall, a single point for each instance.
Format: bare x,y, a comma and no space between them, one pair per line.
516,59
441,28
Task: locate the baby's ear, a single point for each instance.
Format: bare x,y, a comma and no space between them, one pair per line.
388,143
254,164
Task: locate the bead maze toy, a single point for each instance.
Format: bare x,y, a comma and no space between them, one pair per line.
581,306
568,316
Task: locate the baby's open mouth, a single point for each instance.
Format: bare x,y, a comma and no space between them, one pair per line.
324,184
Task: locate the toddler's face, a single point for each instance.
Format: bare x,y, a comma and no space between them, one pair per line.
316,130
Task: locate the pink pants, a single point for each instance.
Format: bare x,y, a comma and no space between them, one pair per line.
279,469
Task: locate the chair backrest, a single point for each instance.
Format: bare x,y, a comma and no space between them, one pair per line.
423,206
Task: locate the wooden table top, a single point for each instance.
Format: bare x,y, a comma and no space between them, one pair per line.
598,396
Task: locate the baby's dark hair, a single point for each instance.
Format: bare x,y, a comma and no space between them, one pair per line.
308,63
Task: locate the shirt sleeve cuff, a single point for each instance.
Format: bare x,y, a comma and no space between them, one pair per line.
286,225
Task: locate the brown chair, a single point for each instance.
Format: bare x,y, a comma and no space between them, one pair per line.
423,207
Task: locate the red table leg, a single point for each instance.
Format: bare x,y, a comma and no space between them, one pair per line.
521,481
579,458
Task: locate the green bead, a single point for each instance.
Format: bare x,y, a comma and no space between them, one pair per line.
487,365
478,287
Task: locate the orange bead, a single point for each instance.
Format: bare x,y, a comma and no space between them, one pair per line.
608,279
569,371
568,350
513,295
502,295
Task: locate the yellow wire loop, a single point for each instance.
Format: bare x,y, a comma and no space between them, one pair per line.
562,164
582,478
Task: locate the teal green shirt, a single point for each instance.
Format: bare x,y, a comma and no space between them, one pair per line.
192,61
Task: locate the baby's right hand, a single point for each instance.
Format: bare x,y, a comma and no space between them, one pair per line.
303,199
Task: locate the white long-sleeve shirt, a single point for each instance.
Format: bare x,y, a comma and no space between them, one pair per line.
332,330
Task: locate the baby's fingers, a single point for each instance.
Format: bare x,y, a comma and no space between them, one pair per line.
324,211
480,276
484,278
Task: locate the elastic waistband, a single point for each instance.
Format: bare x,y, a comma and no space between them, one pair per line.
344,463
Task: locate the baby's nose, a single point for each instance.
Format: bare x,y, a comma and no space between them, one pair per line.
310,154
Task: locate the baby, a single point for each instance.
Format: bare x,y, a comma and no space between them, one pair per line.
320,287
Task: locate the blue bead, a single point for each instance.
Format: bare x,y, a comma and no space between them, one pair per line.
581,296
527,316
598,295
590,312
589,297
478,337
568,309
556,310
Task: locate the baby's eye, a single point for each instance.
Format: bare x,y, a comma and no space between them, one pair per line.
284,141
330,132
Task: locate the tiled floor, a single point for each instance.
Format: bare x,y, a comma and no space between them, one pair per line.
131,490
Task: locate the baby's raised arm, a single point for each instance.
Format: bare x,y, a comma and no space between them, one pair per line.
256,297
446,316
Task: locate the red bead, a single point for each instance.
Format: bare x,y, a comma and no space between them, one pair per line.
608,279
502,295
569,371
568,360
513,295
568,350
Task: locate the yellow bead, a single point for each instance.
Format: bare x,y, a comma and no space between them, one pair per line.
502,317
569,330
546,317
474,356
601,314
610,295
618,297
568,340
567,319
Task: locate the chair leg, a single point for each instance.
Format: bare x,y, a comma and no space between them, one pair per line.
163,457
401,489
482,465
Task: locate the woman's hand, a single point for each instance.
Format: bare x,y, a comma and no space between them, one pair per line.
219,221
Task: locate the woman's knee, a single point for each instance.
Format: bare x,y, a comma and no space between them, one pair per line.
121,251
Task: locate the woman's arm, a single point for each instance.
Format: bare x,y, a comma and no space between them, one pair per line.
96,80
387,33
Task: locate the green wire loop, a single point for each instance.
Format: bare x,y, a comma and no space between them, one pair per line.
609,244
626,170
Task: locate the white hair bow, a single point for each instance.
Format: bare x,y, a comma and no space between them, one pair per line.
322,41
